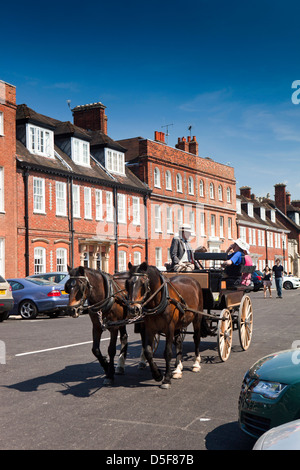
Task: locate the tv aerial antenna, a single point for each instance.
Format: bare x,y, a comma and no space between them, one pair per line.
190,129
167,130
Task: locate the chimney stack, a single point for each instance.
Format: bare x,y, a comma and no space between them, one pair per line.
159,137
288,198
245,191
188,145
280,197
91,117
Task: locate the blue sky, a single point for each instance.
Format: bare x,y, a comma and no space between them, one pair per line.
224,68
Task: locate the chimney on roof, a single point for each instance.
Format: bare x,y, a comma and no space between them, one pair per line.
288,198
296,203
159,137
188,145
91,117
245,191
280,197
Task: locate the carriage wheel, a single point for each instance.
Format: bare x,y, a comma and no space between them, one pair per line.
245,322
224,337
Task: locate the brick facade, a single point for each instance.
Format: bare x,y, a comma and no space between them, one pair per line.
8,186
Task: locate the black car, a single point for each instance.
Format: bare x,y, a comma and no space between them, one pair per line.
257,279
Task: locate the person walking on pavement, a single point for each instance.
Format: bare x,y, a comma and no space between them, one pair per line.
278,273
267,281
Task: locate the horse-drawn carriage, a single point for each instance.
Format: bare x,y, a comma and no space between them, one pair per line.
227,308
163,303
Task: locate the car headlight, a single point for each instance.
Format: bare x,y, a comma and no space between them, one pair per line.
269,389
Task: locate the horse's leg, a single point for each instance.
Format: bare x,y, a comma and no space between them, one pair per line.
197,338
143,360
147,345
109,380
120,369
97,332
177,373
168,357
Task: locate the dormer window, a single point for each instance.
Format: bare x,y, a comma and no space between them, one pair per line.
115,161
40,141
250,210
273,216
80,151
263,213
297,218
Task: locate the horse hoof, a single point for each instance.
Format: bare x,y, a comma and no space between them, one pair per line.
177,375
142,365
196,368
120,370
108,382
165,386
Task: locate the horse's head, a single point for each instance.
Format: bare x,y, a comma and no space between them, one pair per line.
138,287
78,287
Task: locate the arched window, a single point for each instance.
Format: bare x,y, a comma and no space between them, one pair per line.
191,185
179,183
228,194
211,191
168,180
201,188
220,193
156,177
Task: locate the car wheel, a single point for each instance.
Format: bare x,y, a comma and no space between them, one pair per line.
28,310
288,285
4,316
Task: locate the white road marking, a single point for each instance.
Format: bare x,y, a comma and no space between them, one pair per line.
58,347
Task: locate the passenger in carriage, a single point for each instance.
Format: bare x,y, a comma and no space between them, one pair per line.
238,256
181,252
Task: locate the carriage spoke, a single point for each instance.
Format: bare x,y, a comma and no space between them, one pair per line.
225,334
245,322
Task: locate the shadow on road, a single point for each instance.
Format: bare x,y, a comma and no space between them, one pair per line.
229,437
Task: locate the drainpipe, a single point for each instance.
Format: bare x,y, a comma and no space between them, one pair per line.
146,226
115,197
26,220
71,220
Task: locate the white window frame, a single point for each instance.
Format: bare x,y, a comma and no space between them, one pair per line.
170,220
229,222
88,203
121,208
202,224
2,189
221,226
168,180
220,193
76,200
156,175
1,123
179,183
211,191
61,198
109,207
228,192
238,206
263,213
192,222
40,141
38,195
157,215
98,203
137,258
136,211
201,188
212,225
179,218
243,233
80,152
122,261
250,209
114,161
61,259
39,260
158,257
191,185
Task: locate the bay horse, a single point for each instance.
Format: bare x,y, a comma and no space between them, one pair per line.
166,312
106,302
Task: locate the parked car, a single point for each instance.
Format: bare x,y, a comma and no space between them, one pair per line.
284,437
290,282
257,280
34,296
270,393
58,277
6,299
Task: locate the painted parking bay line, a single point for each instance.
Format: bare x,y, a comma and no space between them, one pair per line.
58,347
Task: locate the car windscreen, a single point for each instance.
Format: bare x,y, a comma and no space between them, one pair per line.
40,282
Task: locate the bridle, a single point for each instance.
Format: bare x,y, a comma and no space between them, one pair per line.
85,287
139,304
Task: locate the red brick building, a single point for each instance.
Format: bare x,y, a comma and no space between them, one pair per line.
259,225
8,185
78,202
185,188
